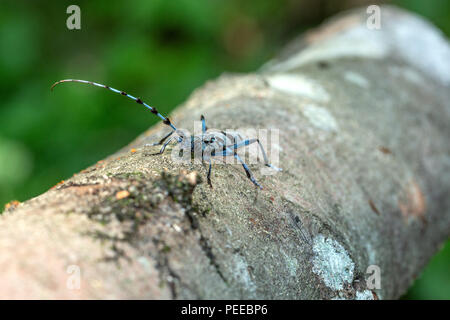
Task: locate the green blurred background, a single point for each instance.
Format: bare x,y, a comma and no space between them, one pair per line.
158,49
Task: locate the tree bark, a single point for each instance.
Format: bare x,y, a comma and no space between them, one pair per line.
364,145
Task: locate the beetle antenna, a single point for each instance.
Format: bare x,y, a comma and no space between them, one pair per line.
165,120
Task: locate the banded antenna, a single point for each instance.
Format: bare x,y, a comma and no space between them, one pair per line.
165,120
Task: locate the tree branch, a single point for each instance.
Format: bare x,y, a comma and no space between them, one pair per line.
363,118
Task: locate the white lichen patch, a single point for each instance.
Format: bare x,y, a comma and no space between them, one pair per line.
291,263
371,254
422,45
364,295
356,78
320,117
338,298
360,295
408,74
332,263
145,263
404,35
356,42
242,275
299,85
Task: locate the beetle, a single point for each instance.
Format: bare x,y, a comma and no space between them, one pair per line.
207,144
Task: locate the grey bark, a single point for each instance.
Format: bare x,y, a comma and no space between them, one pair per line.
363,118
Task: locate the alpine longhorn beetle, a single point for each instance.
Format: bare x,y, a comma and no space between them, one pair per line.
207,144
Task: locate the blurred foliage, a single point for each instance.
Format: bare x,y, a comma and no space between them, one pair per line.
434,282
157,49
